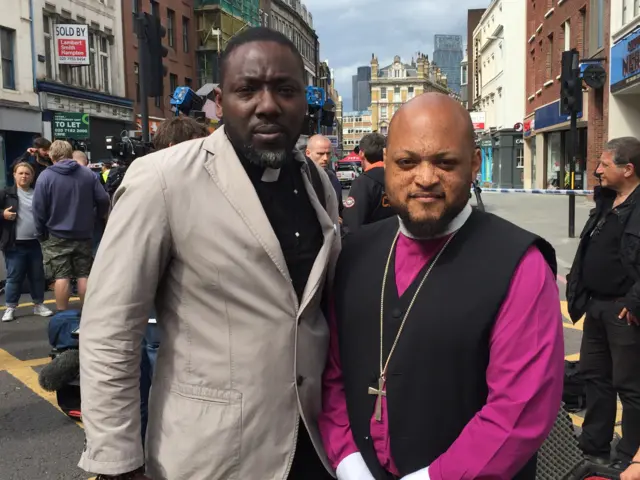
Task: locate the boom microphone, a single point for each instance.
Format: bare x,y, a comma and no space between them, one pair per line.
62,370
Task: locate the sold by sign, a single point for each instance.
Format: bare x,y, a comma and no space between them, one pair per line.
72,44
71,125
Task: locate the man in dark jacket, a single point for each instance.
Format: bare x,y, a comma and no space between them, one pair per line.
37,156
367,201
604,283
320,150
63,207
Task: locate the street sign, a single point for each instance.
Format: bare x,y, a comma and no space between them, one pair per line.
334,141
478,119
72,44
71,125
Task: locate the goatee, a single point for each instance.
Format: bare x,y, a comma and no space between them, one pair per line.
266,158
428,228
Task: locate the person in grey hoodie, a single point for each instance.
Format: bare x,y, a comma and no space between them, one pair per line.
67,199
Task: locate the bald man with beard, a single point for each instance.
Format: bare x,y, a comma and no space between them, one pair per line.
446,351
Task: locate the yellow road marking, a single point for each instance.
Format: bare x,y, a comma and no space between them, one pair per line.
24,373
48,302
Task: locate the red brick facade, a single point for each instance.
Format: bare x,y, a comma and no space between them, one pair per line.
180,64
545,44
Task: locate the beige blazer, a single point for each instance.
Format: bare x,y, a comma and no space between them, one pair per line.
240,360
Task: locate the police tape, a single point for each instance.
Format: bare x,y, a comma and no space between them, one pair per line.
537,191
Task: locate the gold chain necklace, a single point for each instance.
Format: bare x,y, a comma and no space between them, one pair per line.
380,392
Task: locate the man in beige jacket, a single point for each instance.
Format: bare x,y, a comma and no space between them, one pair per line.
232,238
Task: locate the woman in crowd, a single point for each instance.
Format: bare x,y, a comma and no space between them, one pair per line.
19,243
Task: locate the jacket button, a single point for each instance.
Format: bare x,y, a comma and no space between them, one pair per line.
299,380
396,313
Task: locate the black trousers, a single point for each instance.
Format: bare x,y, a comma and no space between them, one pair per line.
306,463
610,364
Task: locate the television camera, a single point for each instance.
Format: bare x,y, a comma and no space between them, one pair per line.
124,151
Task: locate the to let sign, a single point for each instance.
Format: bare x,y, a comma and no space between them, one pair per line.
72,44
71,125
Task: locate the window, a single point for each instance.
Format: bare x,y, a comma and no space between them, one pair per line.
396,94
136,71
550,57
48,46
136,8
383,112
171,29
185,34
463,75
7,39
383,93
157,102
93,71
583,24
104,63
410,92
187,82
520,158
624,12
597,25
567,35
155,9
173,83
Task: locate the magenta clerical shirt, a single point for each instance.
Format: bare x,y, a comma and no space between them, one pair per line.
524,376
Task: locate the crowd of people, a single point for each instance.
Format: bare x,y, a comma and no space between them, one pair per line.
290,351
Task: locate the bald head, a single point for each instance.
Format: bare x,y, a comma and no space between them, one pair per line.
319,149
430,161
439,107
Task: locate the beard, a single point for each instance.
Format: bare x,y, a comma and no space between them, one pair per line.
431,227
265,158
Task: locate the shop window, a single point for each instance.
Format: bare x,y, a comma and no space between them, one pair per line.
520,158
554,159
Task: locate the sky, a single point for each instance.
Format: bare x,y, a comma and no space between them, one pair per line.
350,31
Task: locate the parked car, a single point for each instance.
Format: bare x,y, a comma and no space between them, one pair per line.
347,172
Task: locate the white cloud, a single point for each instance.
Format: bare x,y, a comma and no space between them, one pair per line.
349,32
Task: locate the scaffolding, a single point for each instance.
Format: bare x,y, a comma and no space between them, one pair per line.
217,22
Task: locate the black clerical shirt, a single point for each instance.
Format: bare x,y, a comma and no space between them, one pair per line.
293,219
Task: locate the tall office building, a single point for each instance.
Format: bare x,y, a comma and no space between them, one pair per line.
447,55
361,89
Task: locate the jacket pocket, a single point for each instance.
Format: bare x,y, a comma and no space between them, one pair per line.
194,433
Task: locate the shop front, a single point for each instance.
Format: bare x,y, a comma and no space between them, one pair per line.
19,125
84,117
624,101
502,159
547,137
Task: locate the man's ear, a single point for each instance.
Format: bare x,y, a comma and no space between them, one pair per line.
218,97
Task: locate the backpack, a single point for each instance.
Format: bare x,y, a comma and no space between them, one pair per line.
61,328
574,394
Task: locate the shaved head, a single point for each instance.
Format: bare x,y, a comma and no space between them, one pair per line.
319,149
430,161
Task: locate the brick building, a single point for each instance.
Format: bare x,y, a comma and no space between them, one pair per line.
177,18
554,26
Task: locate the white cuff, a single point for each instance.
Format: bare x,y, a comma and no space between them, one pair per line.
352,467
419,475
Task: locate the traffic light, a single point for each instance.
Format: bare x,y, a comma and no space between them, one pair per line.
155,32
570,83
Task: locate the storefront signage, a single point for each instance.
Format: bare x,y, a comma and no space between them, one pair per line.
519,141
529,126
71,125
625,61
62,103
549,115
72,44
478,120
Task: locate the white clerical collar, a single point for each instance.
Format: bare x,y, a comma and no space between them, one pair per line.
453,226
270,175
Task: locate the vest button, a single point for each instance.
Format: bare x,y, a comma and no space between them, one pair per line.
396,313
299,380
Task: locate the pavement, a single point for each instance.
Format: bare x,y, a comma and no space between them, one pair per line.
37,441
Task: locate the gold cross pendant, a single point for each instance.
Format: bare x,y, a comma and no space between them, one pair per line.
380,393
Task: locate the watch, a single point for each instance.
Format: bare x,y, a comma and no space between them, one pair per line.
122,476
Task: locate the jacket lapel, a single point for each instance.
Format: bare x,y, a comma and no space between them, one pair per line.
329,232
227,172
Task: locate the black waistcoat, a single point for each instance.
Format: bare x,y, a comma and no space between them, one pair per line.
436,380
